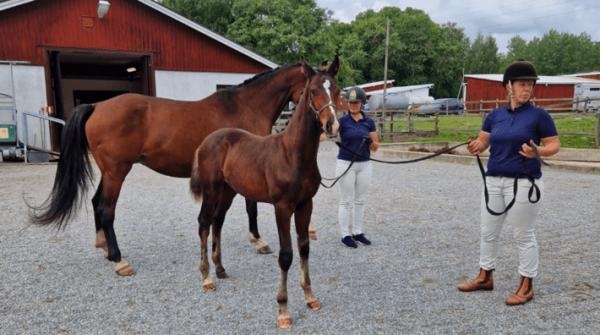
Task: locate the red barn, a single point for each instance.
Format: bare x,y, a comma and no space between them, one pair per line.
57,54
485,91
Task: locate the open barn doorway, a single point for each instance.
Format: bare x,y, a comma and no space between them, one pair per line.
88,76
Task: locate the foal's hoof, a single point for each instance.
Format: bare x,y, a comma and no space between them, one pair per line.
265,250
312,234
314,305
222,274
124,269
208,286
284,323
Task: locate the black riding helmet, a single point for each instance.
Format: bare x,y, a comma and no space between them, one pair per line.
357,94
521,70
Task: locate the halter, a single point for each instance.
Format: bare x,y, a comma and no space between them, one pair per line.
318,112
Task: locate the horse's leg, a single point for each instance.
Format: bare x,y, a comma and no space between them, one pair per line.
283,214
302,216
107,202
205,220
100,236
254,237
227,196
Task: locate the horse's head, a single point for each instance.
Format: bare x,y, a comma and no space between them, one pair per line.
323,95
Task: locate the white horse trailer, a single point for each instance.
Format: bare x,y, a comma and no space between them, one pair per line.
24,128
586,96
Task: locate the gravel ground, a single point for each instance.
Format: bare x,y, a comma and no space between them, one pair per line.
423,219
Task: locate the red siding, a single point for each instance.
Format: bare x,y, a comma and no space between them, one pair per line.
28,30
484,90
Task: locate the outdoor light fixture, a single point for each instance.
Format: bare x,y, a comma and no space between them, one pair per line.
131,69
103,6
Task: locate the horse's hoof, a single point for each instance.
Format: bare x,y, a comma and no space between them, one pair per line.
222,275
312,234
208,286
284,323
261,246
314,305
264,250
124,269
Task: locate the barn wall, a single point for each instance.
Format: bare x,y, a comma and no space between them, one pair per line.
29,30
492,91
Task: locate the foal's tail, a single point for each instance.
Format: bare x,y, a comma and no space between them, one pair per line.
73,172
195,184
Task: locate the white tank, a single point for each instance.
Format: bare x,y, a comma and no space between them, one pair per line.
397,101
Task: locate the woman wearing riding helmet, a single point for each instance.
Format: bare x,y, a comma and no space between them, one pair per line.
358,138
517,134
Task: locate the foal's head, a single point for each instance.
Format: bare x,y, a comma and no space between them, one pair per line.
323,95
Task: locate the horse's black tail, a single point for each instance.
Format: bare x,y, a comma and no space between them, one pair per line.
73,172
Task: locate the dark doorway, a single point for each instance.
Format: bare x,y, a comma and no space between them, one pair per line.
87,76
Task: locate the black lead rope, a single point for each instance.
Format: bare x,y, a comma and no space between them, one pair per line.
336,179
447,150
533,188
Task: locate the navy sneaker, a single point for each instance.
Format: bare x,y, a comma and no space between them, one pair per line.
349,242
362,239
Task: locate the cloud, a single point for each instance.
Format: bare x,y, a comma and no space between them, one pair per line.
501,19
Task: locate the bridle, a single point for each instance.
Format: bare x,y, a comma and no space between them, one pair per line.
317,112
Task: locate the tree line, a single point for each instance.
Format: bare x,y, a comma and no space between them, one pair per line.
420,50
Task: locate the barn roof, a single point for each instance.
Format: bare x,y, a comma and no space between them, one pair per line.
551,80
592,73
165,11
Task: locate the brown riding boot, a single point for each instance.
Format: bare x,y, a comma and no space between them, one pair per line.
484,281
523,294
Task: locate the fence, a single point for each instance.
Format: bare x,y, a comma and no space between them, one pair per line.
551,105
404,124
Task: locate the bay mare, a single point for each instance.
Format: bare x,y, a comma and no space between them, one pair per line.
161,134
280,169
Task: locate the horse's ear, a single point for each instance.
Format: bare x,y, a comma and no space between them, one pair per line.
306,69
334,67
323,66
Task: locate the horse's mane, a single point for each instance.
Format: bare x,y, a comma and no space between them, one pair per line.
264,74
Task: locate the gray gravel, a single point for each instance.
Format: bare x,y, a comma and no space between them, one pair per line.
423,219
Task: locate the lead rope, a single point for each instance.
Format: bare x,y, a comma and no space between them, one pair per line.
486,194
336,179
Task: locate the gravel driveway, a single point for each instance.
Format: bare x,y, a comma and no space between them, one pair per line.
423,219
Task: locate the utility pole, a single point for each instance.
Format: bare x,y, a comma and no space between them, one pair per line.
385,67
385,62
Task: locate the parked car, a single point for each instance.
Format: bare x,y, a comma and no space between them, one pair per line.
442,106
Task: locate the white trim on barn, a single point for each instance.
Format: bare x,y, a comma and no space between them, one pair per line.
190,86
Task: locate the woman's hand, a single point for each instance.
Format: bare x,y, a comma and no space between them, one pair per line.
474,147
479,144
529,150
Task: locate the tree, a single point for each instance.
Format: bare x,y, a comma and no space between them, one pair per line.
420,50
213,14
279,29
556,53
482,56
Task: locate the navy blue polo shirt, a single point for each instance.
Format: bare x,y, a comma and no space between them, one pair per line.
508,131
352,134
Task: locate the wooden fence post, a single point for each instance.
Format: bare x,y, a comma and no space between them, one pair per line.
598,129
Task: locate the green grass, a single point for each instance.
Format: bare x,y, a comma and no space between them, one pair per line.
575,130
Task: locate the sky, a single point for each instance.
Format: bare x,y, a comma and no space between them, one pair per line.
501,19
